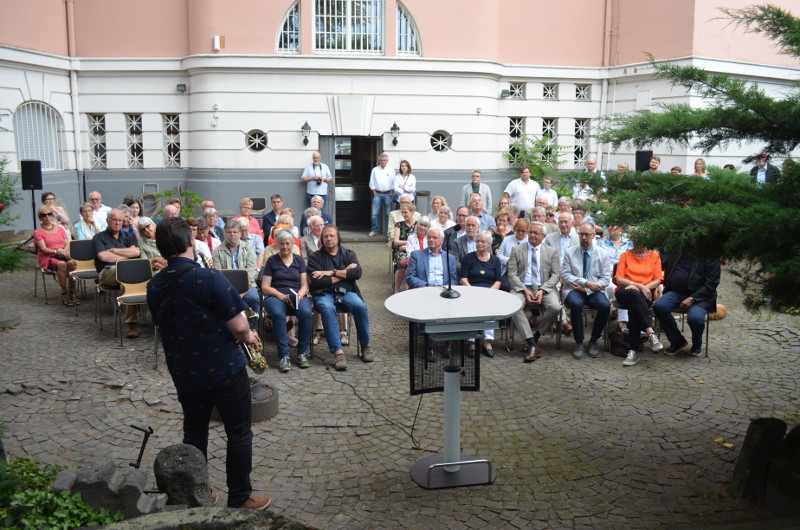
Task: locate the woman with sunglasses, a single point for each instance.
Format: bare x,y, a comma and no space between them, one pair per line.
51,242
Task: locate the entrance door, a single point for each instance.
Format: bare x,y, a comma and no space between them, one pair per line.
351,158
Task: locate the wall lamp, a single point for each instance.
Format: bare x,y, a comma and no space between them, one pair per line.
395,130
306,130
180,87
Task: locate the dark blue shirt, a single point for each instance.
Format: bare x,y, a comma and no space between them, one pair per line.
285,277
105,241
480,273
192,311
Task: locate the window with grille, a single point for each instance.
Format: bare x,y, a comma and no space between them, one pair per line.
407,40
583,93
581,143
172,140
549,127
97,141
39,135
289,35
516,130
441,141
133,129
516,90
349,26
256,140
550,91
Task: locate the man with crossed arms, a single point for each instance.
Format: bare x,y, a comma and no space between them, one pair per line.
533,273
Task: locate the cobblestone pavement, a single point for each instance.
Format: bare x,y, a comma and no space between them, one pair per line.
577,443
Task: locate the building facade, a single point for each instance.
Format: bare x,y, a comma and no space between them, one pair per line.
230,98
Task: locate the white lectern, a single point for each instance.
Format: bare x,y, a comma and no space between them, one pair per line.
450,319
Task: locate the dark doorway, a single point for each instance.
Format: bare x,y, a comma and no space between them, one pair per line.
354,158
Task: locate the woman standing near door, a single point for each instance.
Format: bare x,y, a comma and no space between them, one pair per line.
404,182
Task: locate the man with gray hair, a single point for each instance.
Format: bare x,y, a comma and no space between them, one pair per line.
317,202
236,254
312,241
316,176
213,220
381,183
476,205
565,237
255,242
465,245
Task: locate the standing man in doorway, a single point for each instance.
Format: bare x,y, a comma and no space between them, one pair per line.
381,182
316,177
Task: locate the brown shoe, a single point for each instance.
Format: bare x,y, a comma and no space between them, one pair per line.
567,327
366,354
133,330
533,355
256,502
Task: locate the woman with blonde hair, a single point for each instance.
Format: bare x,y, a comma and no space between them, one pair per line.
245,207
51,242
437,202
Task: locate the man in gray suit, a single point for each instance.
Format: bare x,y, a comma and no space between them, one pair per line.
427,267
476,187
586,274
464,245
533,273
565,237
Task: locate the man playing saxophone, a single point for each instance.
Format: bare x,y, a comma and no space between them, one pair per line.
200,319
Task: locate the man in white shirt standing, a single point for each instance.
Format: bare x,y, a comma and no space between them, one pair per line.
316,177
381,182
522,191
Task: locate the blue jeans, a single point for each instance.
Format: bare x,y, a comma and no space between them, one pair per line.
597,301
278,311
324,198
251,299
378,200
330,323
233,403
696,316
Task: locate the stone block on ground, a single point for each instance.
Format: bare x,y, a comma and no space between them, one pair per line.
182,474
762,442
65,481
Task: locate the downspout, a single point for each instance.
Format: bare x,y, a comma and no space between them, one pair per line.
605,64
74,97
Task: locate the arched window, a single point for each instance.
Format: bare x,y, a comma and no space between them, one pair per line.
407,41
39,135
289,35
349,26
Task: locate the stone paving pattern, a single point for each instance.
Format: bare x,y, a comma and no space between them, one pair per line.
577,443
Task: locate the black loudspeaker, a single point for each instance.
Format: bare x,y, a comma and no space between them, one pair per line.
31,174
643,160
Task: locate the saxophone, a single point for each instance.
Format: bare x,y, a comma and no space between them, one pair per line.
254,354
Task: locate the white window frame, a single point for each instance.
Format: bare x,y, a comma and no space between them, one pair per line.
408,43
135,144
98,153
171,127
348,20
39,134
289,31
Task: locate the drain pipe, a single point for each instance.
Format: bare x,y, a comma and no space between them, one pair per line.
73,90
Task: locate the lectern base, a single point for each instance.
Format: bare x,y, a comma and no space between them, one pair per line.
430,473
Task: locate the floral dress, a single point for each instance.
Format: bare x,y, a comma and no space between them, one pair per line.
405,231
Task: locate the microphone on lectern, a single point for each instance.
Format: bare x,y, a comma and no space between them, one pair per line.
449,292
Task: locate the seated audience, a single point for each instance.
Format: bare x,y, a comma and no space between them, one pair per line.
396,216
245,208
202,252
638,275
690,285
236,254
111,246
127,220
402,230
547,192
334,271
502,230
419,240
204,236
87,227
520,235
533,274
482,269
136,210
312,241
255,242
503,203
147,244
60,213
464,245
52,252
436,203
443,219
317,202
213,220
485,219
586,273
287,218
616,244
285,289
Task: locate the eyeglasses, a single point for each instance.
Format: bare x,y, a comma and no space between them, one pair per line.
50,198
583,234
46,215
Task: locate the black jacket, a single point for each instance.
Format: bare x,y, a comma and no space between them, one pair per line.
772,173
703,280
322,261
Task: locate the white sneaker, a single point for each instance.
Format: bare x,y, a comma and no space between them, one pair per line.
655,344
343,338
631,359
285,364
372,234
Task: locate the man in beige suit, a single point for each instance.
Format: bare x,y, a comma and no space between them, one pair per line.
533,273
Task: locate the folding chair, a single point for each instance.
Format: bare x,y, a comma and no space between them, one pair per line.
682,318
240,281
45,273
82,251
259,205
348,325
133,276
510,328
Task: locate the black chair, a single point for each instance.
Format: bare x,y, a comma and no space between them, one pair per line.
259,205
133,276
45,273
82,251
